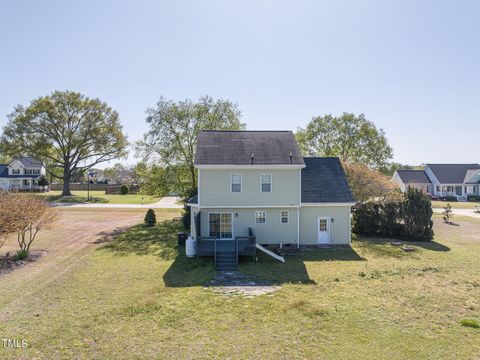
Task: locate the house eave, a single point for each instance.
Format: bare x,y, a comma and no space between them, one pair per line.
255,166
349,204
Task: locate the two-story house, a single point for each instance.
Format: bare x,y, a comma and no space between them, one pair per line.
458,180
21,174
257,182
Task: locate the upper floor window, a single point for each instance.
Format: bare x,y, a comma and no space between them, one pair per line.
236,182
266,182
15,171
28,171
36,172
260,217
284,216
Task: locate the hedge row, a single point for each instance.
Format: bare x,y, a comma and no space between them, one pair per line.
410,218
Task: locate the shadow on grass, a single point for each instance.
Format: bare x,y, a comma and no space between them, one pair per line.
294,270
74,199
161,241
384,247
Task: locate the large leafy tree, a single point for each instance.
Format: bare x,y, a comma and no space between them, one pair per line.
172,136
352,138
67,131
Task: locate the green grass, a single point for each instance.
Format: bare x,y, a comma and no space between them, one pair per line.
456,204
80,197
138,297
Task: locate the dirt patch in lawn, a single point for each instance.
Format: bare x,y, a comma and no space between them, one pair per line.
9,264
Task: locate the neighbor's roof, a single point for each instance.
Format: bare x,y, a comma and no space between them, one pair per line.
237,147
413,176
452,173
471,174
4,173
323,180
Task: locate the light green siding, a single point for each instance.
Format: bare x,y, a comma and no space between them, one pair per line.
272,232
339,228
215,188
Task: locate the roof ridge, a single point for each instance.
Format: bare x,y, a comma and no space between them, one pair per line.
246,131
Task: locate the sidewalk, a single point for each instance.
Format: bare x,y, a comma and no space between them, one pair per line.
461,212
168,202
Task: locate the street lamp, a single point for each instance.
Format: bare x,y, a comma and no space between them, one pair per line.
90,175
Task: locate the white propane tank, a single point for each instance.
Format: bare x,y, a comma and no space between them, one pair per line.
190,246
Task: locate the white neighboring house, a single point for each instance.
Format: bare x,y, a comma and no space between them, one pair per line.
21,174
459,180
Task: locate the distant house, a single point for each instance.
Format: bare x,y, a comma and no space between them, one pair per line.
458,180
21,174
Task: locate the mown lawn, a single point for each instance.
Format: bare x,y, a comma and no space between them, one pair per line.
80,197
137,297
456,204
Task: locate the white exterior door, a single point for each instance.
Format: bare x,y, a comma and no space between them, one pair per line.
323,229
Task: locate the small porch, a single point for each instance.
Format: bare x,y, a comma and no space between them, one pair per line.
225,252
24,184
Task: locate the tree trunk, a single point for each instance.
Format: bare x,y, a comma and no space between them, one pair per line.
66,182
194,178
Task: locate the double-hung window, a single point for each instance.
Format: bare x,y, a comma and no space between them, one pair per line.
28,171
220,225
36,172
284,216
260,217
266,183
15,171
236,182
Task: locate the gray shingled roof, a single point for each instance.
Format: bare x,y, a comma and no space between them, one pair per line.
237,147
452,173
323,180
30,162
413,176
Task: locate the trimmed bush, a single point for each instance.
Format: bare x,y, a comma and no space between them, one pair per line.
417,215
150,217
124,190
475,198
410,218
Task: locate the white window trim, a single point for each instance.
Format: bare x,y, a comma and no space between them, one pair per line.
260,223
221,212
241,182
271,182
281,217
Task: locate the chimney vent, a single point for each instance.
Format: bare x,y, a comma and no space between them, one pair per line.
291,160
251,159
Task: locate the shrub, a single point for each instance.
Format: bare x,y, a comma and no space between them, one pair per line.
43,181
20,255
150,217
411,217
475,198
417,215
124,190
447,214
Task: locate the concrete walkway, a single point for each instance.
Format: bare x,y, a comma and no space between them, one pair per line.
168,202
461,212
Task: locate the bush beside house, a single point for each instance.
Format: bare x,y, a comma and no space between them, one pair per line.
410,218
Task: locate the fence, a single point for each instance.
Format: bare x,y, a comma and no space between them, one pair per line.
80,187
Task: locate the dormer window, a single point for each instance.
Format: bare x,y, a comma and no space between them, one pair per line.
236,182
15,171
266,183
